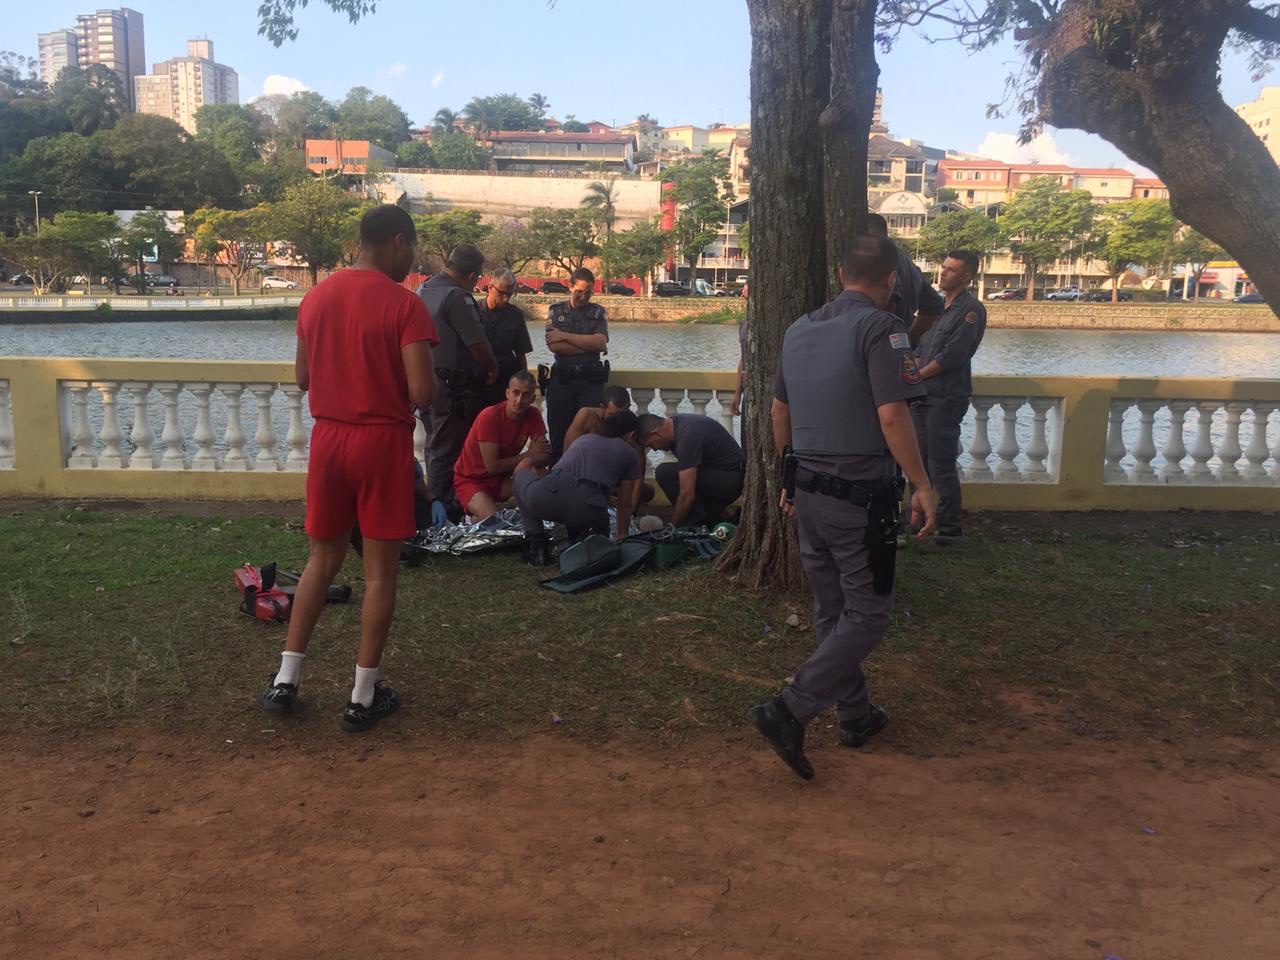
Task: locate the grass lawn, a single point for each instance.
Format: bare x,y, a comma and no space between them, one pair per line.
1108,625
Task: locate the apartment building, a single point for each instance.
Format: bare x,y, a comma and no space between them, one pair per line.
114,39
984,182
59,49
1263,117
683,139
740,167
179,87
893,167
977,182
551,153
1145,188
350,157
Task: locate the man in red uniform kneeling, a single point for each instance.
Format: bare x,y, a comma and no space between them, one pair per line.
496,444
364,356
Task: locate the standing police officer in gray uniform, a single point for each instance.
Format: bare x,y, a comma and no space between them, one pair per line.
945,356
577,333
840,397
464,365
913,301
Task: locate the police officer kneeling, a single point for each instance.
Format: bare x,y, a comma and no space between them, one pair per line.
840,398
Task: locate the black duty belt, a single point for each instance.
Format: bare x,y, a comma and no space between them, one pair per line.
828,485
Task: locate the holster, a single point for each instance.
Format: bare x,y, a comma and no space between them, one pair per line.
787,473
884,522
588,371
544,378
461,384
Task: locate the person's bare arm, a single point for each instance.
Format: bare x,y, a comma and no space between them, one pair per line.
930,370
781,414
900,433
496,466
584,421
685,497
301,374
419,373
484,354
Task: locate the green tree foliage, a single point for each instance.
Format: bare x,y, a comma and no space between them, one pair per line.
91,99
539,103
376,118
316,219
702,190
636,251
275,17
573,125
1133,233
503,111
155,163
458,151
237,132
72,172
70,243
268,179
237,239
1042,221
947,195
415,153
961,230
438,233
563,237
444,120
305,114
602,200
148,235
1196,251
509,244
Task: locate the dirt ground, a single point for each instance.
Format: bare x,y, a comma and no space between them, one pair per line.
1033,845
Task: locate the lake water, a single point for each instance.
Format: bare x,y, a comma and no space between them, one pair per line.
664,346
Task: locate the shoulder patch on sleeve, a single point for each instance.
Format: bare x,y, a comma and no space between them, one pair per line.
910,372
899,341
971,317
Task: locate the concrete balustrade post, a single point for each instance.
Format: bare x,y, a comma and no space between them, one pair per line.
296,438
1175,448
724,398
1275,458
1256,453
700,399
1202,446
265,437
175,454
1038,448
1006,469
980,450
1229,450
1144,451
112,456
1116,450
6,428
141,436
204,458
81,457
236,457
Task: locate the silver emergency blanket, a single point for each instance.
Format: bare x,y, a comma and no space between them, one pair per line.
502,530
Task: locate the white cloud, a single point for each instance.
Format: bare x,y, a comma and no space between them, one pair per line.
279,83
1005,148
437,79
397,70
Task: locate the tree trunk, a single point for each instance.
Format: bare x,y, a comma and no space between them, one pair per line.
790,86
235,284
1115,289
1032,270
315,273
1157,98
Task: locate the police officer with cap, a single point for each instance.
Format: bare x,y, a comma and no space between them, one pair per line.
507,332
913,301
944,357
840,399
464,366
577,333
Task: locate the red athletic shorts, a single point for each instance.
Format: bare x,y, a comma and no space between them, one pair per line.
362,473
468,487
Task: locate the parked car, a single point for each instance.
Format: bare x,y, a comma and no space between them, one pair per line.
620,289
670,288
524,288
160,280
998,294
1066,293
554,286
741,278
22,280
1249,298
278,283
1103,295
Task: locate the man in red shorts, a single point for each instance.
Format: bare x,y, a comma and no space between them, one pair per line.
364,356
496,444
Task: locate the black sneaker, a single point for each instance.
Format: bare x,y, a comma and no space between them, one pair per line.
784,733
357,717
857,733
278,697
537,551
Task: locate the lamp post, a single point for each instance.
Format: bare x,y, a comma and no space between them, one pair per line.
35,195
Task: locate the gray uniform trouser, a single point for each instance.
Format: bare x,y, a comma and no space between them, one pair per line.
850,618
564,400
582,507
447,430
938,433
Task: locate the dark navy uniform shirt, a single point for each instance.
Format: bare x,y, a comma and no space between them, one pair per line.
590,319
952,341
458,323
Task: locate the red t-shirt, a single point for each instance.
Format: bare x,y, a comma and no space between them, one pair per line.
353,325
494,426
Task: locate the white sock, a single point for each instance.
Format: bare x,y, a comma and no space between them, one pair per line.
362,692
290,668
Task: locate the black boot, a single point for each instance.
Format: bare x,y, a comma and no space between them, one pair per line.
537,550
784,733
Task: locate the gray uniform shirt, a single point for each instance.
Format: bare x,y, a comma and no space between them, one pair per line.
912,293
457,322
604,460
952,341
590,319
703,442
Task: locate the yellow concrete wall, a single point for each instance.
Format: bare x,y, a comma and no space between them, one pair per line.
40,470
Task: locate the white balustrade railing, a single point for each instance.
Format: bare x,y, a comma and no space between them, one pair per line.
1152,441
1028,450
158,303
6,427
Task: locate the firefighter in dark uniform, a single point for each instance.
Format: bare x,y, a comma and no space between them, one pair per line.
577,333
944,356
913,301
464,365
844,379
507,332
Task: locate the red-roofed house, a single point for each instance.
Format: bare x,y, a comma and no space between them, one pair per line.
541,152
1108,185
978,182
1145,188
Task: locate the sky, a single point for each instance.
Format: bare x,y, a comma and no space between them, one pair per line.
681,62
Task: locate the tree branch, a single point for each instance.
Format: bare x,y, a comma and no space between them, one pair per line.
1259,23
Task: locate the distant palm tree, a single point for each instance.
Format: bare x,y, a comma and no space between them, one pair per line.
444,119
602,198
540,103
480,111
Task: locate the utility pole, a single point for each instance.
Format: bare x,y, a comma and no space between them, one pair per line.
35,195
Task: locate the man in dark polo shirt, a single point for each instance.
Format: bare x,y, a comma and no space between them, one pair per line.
708,473
913,301
508,334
